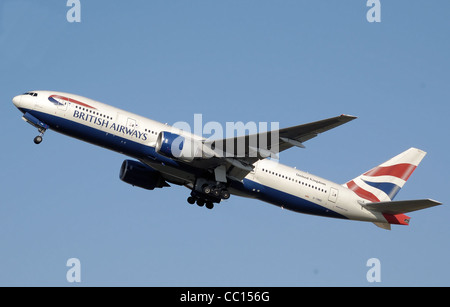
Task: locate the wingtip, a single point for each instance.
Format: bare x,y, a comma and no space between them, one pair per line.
435,202
347,117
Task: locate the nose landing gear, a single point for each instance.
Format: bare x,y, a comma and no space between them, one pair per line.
38,139
40,125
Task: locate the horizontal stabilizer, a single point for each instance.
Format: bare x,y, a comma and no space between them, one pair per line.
403,206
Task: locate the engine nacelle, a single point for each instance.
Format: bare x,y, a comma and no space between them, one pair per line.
178,147
141,175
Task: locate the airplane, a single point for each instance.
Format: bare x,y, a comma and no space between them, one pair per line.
216,169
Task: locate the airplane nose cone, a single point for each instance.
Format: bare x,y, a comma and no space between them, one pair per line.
16,100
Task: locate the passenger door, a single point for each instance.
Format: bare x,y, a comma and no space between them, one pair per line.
333,195
62,106
131,124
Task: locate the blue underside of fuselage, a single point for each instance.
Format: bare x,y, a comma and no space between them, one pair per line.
141,151
101,138
283,199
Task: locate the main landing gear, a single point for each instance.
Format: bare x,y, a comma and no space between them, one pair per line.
38,139
208,194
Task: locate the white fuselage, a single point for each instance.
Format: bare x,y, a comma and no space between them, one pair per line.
136,136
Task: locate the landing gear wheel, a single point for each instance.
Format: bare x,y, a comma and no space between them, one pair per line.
207,189
191,200
200,202
209,205
225,194
38,139
216,192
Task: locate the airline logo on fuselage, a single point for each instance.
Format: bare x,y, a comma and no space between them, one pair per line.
55,100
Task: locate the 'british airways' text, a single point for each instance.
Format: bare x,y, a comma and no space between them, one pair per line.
101,122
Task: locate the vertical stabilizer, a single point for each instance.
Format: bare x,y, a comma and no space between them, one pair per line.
382,183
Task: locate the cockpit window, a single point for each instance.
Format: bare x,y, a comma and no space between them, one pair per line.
31,94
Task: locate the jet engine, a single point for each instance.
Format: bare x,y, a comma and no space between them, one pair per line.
178,147
141,175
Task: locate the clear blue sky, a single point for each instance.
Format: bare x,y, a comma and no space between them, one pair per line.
286,61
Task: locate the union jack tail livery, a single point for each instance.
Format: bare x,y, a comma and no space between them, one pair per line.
383,182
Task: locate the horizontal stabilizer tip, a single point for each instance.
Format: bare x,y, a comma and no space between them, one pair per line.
386,226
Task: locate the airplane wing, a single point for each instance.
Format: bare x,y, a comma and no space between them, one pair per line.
239,153
263,144
233,158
